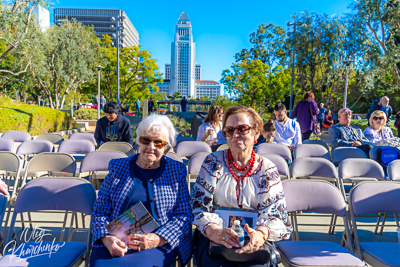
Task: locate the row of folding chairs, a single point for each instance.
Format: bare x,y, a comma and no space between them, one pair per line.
316,197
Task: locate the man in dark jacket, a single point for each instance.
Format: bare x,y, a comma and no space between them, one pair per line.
383,106
113,127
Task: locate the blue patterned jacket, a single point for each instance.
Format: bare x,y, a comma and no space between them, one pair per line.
172,204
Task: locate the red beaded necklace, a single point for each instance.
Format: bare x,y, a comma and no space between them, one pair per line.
248,167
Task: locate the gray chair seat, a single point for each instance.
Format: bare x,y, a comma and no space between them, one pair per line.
316,253
99,174
381,252
31,174
67,255
358,179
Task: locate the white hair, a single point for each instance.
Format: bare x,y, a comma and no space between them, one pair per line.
385,97
157,123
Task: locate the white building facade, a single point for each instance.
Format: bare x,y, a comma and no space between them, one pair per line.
183,75
42,17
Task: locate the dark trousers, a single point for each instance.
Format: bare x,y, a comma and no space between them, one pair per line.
204,260
321,121
159,257
306,135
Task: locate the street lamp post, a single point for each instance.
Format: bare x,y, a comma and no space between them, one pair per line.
99,68
119,35
348,63
293,55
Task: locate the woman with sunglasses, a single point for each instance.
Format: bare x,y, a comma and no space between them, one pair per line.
240,179
377,131
160,184
212,125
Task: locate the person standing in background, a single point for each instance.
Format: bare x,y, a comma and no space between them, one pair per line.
184,104
102,102
383,106
151,105
321,114
305,112
138,105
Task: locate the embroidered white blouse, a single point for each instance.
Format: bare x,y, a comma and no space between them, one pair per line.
374,137
262,191
204,128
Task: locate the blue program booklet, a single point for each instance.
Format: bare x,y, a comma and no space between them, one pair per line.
136,220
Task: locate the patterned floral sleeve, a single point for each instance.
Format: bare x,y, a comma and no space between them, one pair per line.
272,205
202,196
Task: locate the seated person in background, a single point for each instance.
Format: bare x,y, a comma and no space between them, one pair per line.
268,133
377,131
328,121
113,126
212,125
288,131
160,184
343,134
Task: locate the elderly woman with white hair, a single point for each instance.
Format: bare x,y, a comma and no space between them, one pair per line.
160,184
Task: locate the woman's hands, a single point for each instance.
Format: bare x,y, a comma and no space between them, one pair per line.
145,242
226,236
116,247
256,240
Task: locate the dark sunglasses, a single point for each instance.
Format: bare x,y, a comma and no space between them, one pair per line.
157,142
241,130
378,118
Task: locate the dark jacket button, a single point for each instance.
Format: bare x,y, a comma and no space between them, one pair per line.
151,180
158,220
153,200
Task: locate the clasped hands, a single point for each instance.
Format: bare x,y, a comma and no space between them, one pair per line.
118,248
356,143
228,238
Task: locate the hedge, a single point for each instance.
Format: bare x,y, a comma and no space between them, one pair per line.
34,119
87,114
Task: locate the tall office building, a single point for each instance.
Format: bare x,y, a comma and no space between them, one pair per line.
101,21
42,17
183,75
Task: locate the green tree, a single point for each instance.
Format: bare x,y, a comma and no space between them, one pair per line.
63,60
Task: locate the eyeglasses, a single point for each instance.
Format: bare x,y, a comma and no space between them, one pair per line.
378,118
241,130
158,143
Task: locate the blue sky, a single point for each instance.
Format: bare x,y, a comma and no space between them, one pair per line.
220,28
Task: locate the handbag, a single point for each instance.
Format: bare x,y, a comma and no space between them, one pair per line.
316,126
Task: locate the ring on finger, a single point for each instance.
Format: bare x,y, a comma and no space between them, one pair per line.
139,249
224,238
251,249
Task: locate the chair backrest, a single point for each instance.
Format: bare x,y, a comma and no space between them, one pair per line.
34,147
99,160
365,168
316,142
73,146
183,138
313,196
311,150
49,193
55,138
374,197
190,148
196,161
341,153
280,162
17,136
223,147
123,147
52,162
393,170
174,156
87,136
9,161
278,149
313,167
6,144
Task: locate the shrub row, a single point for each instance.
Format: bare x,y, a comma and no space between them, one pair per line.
87,114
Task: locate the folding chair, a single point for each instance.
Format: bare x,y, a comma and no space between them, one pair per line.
223,147
52,194
183,138
54,138
33,147
195,163
375,197
96,164
9,163
17,136
316,142
280,163
77,148
311,151
174,156
187,149
85,136
6,144
277,149
123,147
321,197
341,153
393,170
3,206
